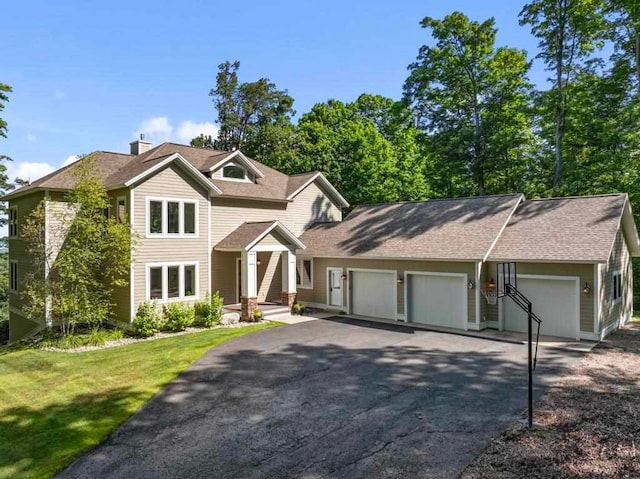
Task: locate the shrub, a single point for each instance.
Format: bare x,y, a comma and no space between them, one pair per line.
147,321
297,309
258,315
69,341
178,316
208,313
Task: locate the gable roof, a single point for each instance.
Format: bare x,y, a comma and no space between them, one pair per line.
117,170
574,229
247,235
298,183
239,157
447,229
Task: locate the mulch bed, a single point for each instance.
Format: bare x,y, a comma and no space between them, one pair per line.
589,422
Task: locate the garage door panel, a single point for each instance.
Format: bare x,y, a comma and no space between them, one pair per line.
374,294
438,300
554,301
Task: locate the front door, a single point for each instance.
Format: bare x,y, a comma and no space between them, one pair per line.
335,287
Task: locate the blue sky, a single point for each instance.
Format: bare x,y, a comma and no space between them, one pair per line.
92,75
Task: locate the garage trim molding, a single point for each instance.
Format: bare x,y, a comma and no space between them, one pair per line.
437,273
369,270
575,279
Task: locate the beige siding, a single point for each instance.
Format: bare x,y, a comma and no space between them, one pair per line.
224,275
18,252
272,239
620,260
309,206
583,271
227,214
20,327
319,292
269,276
171,183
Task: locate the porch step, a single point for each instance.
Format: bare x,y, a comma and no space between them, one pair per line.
276,311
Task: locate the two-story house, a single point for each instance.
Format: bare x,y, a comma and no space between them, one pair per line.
219,221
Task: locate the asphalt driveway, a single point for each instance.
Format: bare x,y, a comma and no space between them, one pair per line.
327,398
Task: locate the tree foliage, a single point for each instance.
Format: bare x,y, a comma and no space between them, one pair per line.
83,257
471,99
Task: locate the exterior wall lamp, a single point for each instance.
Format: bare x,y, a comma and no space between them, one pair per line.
343,277
586,289
470,284
492,283
400,279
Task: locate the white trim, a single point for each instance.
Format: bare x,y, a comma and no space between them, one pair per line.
246,178
132,288
238,286
248,164
495,241
465,300
597,284
165,281
576,279
617,272
13,290
209,250
9,210
327,290
266,248
165,217
367,270
293,239
396,258
477,288
203,180
302,259
326,183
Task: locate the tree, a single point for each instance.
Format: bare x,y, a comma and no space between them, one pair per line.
83,258
345,142
463,93
253,116
5,184
624,25
568,32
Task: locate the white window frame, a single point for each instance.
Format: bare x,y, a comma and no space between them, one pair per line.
165,281
15,222
165,217
310,285
614,275
246,178
13,278
124,198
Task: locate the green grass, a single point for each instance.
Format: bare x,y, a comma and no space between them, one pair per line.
54,405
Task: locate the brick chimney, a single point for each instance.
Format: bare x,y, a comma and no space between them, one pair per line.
140,146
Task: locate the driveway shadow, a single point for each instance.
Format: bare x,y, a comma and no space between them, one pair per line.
326,399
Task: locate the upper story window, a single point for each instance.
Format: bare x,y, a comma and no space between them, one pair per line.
13,222
234,172
121,208
172,217
617,285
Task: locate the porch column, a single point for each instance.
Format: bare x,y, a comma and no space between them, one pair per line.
288,278
249,286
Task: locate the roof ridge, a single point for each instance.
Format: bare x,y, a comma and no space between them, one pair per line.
430,200
576,197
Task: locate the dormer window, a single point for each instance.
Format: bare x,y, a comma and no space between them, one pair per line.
234,172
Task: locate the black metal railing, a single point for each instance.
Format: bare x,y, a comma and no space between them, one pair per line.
524,303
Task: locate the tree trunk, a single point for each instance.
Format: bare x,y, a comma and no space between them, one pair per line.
638,59
558,145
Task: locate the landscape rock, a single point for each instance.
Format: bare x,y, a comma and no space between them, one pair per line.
230,318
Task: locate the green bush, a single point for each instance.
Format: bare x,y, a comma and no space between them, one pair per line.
297,308
99,336
147,321
178,316
258,315
208,313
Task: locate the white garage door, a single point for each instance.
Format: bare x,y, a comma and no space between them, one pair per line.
373,294
437,300
555,302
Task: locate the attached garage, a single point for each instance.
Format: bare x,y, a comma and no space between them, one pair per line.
373,293
437,299
555,300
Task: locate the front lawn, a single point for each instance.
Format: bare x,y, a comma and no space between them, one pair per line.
54,405
589,422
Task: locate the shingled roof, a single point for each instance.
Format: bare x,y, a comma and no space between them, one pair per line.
116,169
575,229
245,235
451,229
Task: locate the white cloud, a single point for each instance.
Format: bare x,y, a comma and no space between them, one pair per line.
156,129
31,137
188,130
70,159
60,95
26,170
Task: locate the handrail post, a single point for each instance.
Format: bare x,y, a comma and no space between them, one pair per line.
530,367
